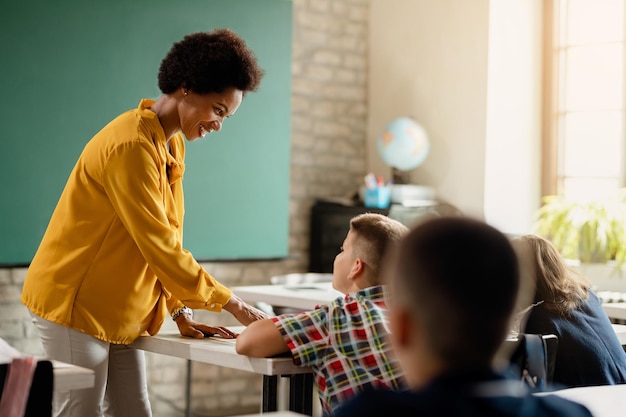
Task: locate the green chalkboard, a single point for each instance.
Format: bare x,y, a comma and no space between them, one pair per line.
69,67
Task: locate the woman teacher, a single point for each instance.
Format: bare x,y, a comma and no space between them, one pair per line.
111,265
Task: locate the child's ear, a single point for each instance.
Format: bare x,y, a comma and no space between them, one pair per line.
357,269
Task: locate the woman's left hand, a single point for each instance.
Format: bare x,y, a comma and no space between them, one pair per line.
190,328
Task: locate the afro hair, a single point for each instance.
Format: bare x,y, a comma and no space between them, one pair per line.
207,62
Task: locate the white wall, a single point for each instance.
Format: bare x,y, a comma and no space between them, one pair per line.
512,163
428,60
466,71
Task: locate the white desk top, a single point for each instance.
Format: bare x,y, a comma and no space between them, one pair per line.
274,414
620,331
602,401
299,296
615,310
308,296
216,351
68,377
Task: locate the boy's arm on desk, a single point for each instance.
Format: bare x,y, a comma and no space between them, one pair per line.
261,339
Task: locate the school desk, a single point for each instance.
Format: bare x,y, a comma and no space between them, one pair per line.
615,310
620,332
307,296
297,296
221,352
602,400
67,377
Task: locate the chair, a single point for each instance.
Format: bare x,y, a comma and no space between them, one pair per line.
533,359
39,402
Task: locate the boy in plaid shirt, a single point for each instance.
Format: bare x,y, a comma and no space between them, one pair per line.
345,342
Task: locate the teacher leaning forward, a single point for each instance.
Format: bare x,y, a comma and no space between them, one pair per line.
111,265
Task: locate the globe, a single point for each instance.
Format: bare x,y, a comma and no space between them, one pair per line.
404,144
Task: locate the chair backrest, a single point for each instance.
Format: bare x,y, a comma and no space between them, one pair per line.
39,403
533,359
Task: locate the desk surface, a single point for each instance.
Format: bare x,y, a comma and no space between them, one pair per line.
620,331
299,296
602,401
275,414
615,310
70,377
216,351
308,296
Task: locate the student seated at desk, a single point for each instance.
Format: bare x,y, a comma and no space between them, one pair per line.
588,352
345,342
453,290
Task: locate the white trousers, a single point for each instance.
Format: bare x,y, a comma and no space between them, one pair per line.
120,388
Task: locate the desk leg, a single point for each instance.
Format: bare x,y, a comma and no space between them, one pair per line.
301,394
270,393
188,390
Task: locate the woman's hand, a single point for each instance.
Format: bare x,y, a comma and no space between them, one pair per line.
243,312
190,328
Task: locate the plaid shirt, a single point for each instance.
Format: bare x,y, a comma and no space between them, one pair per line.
346,345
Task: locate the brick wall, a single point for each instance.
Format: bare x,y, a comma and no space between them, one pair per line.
328,159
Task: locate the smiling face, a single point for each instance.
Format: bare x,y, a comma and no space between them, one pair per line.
201,114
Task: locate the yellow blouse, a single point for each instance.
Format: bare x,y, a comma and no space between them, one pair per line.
111,263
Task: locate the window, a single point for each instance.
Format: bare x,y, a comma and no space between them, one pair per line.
584,152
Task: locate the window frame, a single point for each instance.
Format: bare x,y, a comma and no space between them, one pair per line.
552,76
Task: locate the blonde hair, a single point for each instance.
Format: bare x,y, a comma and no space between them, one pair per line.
560,288
375,235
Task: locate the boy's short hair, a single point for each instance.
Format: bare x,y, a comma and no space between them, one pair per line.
459,277
375,235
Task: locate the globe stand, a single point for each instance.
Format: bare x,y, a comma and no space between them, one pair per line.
405,193
400,177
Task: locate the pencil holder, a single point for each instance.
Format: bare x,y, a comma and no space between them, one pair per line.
378,197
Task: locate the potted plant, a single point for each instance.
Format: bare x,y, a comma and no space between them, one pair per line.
588,231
